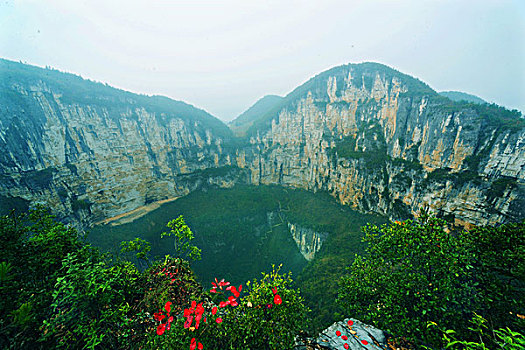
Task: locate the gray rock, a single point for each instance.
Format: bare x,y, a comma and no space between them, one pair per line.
348,334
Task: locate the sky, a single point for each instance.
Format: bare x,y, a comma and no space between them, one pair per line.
222,56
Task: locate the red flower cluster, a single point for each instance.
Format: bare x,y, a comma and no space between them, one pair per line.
194,345
159,316
276,297
196,311
218,284
232,299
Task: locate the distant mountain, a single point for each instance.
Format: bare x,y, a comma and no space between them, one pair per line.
462,96
240,124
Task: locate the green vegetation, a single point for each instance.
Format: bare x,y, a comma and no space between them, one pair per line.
410,165
238,230
416,273
76,90
373,142
61,293
8,203
243,230
80,204
498,187
240,124
462,96
442,175
491,116
502,338
183,236
39,179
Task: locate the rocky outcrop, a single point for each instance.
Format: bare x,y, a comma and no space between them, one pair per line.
349,334
374,138
308,241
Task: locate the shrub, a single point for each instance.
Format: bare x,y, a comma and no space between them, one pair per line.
413,272
502,338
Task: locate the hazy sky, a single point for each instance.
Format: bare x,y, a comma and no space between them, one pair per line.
224,55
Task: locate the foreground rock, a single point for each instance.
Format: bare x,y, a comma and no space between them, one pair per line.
347,334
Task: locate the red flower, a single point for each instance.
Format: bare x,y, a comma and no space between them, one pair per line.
234,290
158,316
188,322
218,320
344,337
232,301
338,333
274,290
214,310
198,315
168,307
350,323
346,346
200,347
277,299
193,344
160,329
364,342
168,324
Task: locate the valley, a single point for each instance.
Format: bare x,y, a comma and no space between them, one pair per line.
244,230
291,181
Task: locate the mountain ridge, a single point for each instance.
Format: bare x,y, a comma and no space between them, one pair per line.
374,138
462,96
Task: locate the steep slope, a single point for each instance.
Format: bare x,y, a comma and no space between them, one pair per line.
382,141
91,151
240,124
374,138
462,96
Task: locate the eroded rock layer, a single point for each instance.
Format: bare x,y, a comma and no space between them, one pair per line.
374,138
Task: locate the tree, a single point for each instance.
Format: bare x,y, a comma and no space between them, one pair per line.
183,237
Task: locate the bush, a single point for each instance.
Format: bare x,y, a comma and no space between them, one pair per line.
59,292
502,338
414,272
268,316
499,262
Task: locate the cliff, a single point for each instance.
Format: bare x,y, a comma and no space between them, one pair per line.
90,151
381,141
376,139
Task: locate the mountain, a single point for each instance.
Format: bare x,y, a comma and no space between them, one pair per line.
374,138
240,124
462,96
90,151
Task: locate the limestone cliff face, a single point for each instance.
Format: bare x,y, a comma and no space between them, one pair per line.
374,138
308,241
381,141
90,161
